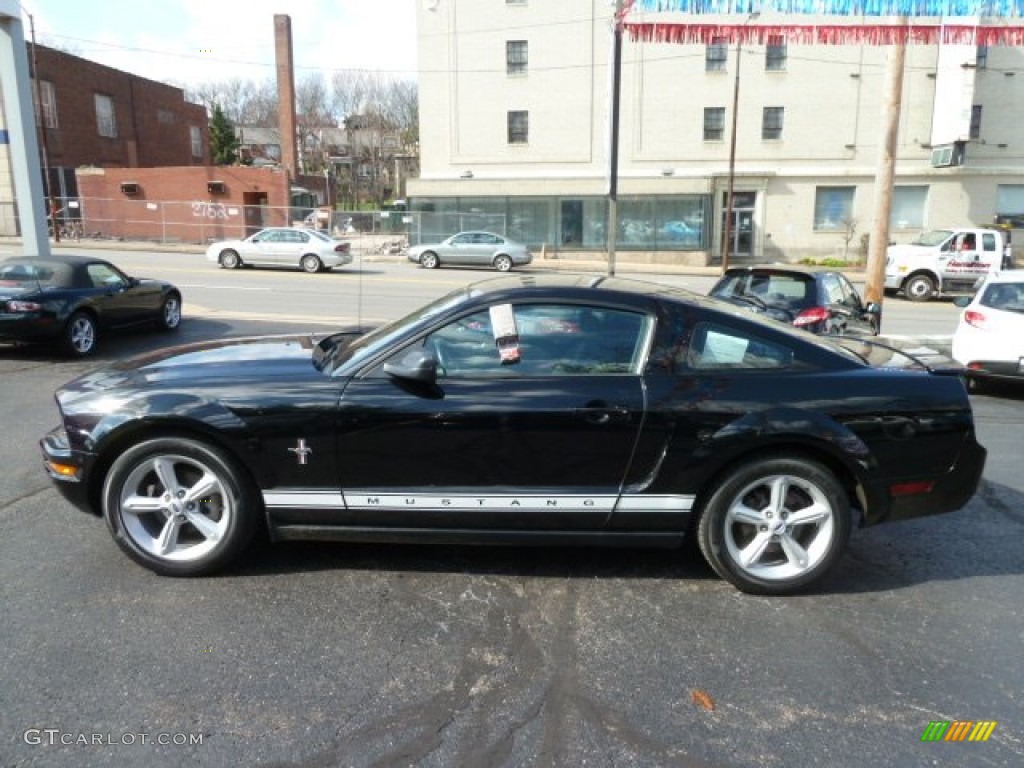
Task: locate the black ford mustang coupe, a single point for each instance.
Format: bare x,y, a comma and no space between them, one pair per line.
532,409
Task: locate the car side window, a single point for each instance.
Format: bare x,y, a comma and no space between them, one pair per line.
718,347
548,340
102,276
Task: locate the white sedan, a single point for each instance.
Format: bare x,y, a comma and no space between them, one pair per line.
989,341
307,249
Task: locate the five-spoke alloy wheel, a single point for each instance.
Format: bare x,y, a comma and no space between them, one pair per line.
429,260
170,313
178,506
80,334
773,526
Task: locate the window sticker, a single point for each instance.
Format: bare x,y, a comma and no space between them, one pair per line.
506,334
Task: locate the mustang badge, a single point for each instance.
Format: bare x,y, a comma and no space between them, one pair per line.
302,451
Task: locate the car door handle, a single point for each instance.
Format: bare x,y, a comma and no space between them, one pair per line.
603,414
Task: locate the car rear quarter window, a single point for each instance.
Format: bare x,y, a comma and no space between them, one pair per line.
720,347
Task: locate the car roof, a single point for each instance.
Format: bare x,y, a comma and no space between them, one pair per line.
58,258
778,269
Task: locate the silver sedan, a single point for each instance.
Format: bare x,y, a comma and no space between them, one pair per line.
307,249
472,249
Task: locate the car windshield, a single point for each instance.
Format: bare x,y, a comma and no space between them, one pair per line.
370,344
934,237
34,275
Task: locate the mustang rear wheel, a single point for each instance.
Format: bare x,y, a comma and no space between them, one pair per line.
773,526
178,506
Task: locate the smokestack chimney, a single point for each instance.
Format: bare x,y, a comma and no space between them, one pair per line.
286,92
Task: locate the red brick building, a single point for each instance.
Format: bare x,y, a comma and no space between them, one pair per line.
93,115
194,205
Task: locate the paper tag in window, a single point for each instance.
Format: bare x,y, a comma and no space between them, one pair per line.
506,334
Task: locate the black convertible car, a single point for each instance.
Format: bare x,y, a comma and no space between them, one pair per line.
815,300
536,409
70,300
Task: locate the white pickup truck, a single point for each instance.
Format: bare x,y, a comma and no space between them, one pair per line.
943,262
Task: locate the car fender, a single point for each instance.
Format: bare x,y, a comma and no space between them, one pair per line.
788,429
159,411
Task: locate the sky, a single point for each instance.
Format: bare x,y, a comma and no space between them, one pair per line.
189,42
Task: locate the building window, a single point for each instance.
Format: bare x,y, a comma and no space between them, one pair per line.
771,123
775,54
165,117
832,207
714,123
518,127
46,105
981,57
908,204
106,120
716,55
516,57
975,122
196,137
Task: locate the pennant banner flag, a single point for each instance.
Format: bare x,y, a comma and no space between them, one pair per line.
912,8
825,34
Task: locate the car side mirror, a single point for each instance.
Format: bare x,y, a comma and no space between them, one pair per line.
873,308
416,365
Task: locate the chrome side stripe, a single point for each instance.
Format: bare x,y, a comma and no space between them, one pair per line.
530,502
300,499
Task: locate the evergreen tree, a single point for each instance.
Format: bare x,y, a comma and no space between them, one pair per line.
224,143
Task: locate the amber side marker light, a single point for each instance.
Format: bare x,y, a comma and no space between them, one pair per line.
911,489
63,470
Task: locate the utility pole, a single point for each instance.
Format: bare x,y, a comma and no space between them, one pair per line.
874,287
51,204
727,230
612,228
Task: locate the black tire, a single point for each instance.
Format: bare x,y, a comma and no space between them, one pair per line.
752,511
502,262
195,528
170,313
80,335
229,259
919,288
311,263
429,260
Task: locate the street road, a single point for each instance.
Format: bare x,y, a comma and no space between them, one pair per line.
321,655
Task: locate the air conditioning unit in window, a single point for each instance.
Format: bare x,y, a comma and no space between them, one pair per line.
130,188
216,187
947,155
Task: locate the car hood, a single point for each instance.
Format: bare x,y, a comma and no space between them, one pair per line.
232,361
910,249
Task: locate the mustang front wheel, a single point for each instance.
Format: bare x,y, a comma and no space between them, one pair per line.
170,313
773,526
178,506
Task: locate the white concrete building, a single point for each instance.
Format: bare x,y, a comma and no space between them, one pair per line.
514,135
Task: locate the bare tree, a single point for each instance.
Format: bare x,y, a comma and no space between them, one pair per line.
849,230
